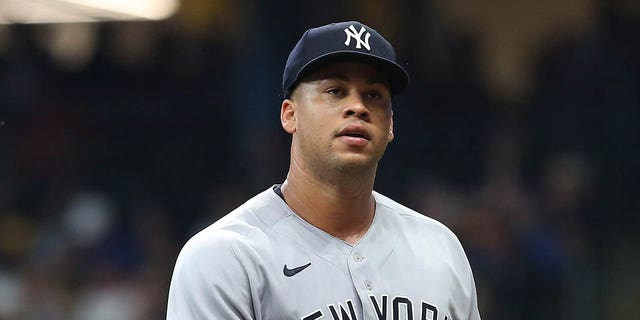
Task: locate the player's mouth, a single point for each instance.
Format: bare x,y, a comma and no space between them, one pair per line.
354,134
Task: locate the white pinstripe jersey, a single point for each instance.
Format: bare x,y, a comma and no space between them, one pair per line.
262,261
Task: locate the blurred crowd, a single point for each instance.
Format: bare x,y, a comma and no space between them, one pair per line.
519,131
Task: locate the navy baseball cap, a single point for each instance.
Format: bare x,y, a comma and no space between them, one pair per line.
350,40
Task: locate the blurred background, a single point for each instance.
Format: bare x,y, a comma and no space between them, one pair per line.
121,139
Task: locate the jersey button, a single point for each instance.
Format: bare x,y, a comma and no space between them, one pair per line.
358,258
368,285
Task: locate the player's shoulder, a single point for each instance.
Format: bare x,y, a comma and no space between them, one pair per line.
258,213
420,230
247,223
411,218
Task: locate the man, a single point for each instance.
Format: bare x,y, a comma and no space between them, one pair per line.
324,245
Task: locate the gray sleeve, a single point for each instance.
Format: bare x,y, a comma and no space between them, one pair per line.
474,313
209,281
470,294
467,309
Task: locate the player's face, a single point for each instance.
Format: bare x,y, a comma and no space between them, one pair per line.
340,116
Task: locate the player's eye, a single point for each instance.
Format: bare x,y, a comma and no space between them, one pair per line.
374,95
334,91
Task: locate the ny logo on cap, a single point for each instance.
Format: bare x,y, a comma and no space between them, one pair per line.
357,36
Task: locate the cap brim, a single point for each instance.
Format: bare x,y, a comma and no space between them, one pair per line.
395,73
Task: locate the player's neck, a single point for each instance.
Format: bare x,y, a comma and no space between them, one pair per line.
342,210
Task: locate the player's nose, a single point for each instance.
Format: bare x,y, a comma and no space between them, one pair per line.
355,107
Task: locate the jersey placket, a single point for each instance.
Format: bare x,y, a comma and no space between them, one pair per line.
365,260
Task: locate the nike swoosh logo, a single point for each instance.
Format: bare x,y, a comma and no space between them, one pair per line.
292,272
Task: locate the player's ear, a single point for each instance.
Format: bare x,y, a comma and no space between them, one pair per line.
288,116
390,135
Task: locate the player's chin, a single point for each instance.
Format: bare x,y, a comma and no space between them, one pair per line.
356,160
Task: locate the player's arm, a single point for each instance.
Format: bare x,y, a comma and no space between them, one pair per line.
474,313
464,297
209,282
468,295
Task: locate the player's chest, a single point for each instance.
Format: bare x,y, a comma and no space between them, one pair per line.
359,284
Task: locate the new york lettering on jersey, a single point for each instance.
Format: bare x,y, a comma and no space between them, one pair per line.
384,307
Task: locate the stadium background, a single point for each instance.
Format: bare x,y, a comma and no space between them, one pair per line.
519,131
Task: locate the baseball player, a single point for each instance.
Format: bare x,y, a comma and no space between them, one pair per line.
323,244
